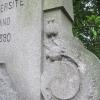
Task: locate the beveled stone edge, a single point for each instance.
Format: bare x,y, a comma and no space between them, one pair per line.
63,10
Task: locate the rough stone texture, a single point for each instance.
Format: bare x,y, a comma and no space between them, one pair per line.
54,80
21,51
61,51
63,24
66,4
70,72
7,91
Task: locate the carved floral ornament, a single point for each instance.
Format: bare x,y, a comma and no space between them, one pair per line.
63,78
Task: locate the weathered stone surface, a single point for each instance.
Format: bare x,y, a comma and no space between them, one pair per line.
20,45
69,71
59,48
66,4
61,23
88,66
89,70
7,91
62,80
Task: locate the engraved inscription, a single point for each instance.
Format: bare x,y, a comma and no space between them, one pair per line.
10,5
5,21
5,37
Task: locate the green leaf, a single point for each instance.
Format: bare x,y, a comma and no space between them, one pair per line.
94,33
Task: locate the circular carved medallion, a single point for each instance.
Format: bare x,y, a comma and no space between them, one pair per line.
61,81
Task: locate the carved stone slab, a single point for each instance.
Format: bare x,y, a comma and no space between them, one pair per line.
20,44
61,81
66,4
58,46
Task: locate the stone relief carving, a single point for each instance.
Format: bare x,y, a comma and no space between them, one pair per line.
62,78
54,87
6,87
54,51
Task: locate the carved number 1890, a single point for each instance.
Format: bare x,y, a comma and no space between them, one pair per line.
5,37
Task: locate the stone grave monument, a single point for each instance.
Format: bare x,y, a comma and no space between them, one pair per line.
20,49
70,72
39,57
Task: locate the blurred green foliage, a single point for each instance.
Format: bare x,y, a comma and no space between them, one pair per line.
86,24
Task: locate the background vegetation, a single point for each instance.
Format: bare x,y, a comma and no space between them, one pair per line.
86,24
